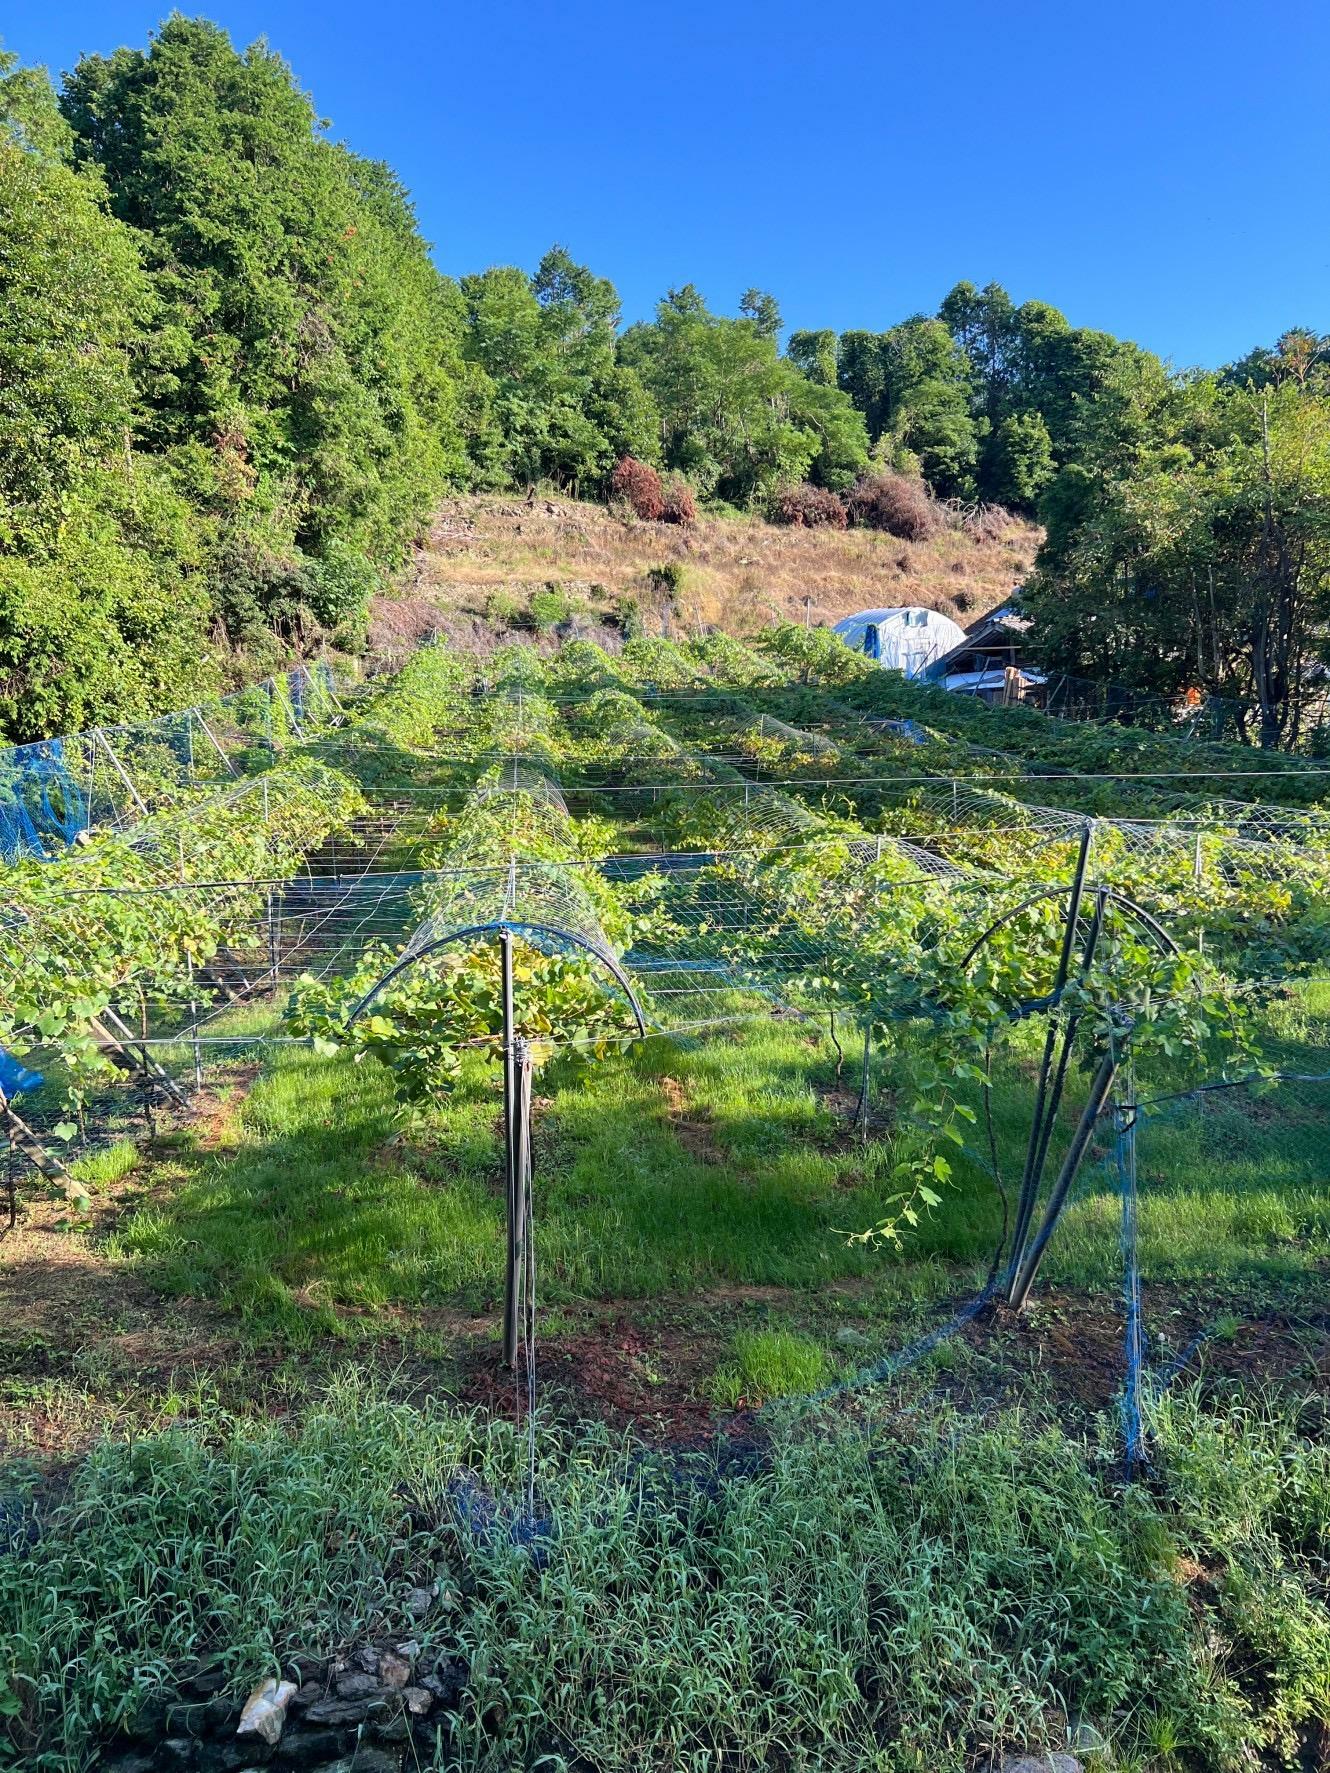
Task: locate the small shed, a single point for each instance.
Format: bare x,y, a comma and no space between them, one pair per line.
908,639
990,661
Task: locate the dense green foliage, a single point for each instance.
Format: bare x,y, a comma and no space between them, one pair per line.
1190,548
986,399
561,406
1188,515
231,377
100,614
736,416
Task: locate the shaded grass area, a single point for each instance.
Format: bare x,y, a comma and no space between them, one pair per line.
1234,1185
678,1169
862,1599
687,1196
665,1170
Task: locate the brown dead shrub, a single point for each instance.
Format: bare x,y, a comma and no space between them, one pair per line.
678,504
807,507
896,504
638,485
985,523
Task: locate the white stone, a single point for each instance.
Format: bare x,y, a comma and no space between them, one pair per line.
265,1710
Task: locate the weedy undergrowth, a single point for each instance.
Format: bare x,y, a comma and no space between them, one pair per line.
881,1592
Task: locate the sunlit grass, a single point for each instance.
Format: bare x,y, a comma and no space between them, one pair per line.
769,1364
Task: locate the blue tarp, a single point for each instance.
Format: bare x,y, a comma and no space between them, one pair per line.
15,1076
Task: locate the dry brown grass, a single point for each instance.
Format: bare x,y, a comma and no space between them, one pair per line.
485,552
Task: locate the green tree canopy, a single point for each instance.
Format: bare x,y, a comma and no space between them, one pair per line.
564,407
1202,560
736,416
814,355
101,613
301,371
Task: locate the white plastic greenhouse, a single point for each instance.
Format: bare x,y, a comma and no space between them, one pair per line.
909,639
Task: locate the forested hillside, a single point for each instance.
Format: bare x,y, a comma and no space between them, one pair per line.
234,385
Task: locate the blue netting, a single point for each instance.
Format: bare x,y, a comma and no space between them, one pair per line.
54,789
43,808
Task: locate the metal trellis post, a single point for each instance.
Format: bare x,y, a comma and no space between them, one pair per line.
1103,1083
511,1137
189,971
121,771
274,948
1040,1132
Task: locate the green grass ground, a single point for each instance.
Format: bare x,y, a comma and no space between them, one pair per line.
939,1570
686,1166
702,1192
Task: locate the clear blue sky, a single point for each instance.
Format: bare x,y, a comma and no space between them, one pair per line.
1159,170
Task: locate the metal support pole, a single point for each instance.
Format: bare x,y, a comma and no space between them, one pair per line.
521,1182
189,969
1038,1136
212,738
1124,1127
22,1138
511,1139
194,1025
1102,1084
121,771
1054,1101
274,950
129,1052
865,1081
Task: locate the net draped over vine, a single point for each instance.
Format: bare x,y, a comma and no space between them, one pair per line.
53,791
749,874
547,900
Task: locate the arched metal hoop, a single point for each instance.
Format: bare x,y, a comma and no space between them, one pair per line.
1101,897
496,928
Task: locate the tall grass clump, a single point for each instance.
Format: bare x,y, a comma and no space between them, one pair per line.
1251,1493
224,1538
770,1364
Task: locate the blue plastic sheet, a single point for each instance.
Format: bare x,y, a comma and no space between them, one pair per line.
15,1076
46,787
45,809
